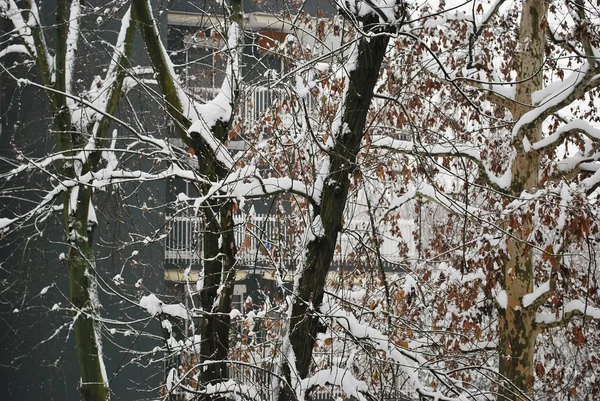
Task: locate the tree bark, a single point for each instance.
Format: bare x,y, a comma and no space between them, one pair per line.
218,260
304,323
516,326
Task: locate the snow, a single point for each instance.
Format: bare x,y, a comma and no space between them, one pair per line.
11,11
580,306
187,105
434,22
385,10
502,299
92,219
72,39
13,49
337,377
166,324
526,144
574,125
529,299
5,222
155,306
381,342
45,290
118,280
120,44
572,307
220,109
410,284
551,99
172,379
234,314
317,227
95,304
501,88
470,151
200,281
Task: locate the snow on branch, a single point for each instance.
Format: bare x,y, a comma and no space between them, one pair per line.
500,183
409,362
428,191
570,310
540,293
96,179
104,93
14,49
30,33
336,376
230,388
555,96
220,109
72,39
179,105
10,10
247,183
155,306
386,11
575,126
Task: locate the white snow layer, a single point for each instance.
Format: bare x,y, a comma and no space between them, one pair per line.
154,305
342,378
529,299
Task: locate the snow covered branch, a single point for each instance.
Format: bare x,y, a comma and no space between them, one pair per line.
499,183
572,127
557,96
572,309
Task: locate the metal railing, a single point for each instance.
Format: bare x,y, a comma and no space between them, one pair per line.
255,101
266,240
257,236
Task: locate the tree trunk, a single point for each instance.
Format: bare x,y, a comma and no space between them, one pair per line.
218,260
516,326
304,323
83,295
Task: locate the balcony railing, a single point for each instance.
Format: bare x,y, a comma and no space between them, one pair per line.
255,236
265,240
255,100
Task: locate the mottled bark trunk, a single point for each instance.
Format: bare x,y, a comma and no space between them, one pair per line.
304,323
517,329
517,349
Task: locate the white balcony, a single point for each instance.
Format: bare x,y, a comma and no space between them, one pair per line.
255,101
256,237
265,240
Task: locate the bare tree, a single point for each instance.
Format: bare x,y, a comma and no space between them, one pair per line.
80,128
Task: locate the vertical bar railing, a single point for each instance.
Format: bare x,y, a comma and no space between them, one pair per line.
259,235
